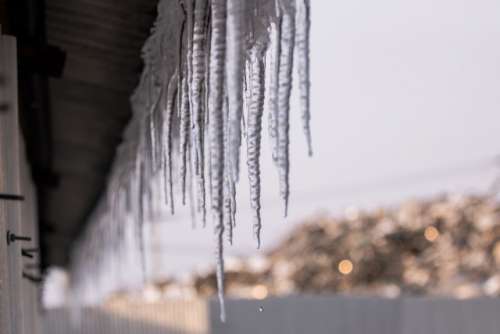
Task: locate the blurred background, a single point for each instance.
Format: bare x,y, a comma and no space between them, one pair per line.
400,197
404,104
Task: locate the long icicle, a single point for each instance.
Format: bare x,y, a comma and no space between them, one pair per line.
302,47
284,91
254,130
182,98
169,114
189,96
235,70
184,134
228,180
206,93
275,54
197,99
216,126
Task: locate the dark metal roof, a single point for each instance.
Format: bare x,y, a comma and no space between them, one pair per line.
89,105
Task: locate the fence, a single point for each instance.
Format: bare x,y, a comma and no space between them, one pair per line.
289,315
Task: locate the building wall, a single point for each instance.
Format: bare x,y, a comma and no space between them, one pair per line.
19,297
352,315
287,315
169,317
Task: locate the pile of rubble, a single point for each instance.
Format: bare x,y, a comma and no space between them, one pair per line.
449,246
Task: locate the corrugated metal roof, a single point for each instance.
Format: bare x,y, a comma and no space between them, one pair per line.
89,104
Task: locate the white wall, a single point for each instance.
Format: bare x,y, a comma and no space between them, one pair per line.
19,302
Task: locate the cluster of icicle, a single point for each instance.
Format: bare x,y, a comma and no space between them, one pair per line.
211,68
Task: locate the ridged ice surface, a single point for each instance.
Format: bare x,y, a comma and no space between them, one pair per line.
202,92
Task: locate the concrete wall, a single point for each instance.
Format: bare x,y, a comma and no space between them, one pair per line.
18,296
290,315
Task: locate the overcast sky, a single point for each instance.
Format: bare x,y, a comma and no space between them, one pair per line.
406,103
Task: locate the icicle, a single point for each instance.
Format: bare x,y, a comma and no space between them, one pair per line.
220,268
190,190
302,47
206,143
235,71
184,136
183,100
190,140
232,196
209,172
247,98
152,139
140,220
169,114
216,126
158,119
199,179
254,128
275,53
198,107
195,102
228,179
284,90
198,75
189,44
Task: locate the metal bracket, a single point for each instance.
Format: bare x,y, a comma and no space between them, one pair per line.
33,279
11,197
26,252
11,237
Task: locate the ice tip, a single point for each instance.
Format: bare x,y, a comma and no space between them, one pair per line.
309,151
222,314
285,208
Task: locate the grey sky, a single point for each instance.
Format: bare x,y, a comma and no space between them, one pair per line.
406,102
